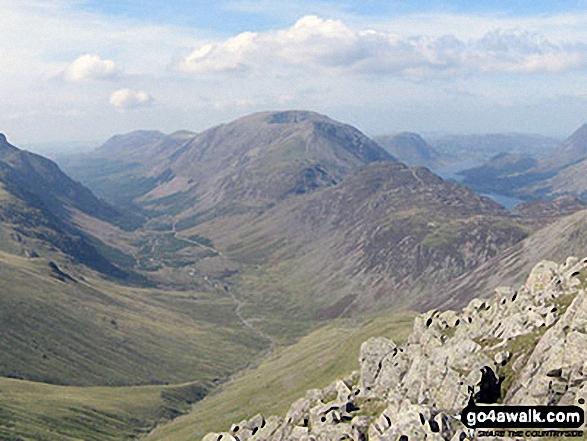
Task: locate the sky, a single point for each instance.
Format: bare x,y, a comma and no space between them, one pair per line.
84,70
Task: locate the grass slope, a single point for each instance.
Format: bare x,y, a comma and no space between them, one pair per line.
94,332
37,411
316,360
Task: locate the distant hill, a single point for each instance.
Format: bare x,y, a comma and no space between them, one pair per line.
483,146
246,164
304,216
120,169
410,148
563,172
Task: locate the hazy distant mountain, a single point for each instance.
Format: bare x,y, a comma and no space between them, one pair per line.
244,165
562,172
409,148
120,169
484,146
500,174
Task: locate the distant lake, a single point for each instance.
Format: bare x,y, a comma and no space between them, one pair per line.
449,173
506,201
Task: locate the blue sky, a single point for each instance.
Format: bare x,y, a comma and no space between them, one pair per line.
78,70
220,15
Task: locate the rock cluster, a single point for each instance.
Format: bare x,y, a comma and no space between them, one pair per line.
525,346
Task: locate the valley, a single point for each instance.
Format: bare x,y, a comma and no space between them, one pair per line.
205,277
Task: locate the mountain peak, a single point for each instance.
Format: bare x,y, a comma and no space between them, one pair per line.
294,116
282,117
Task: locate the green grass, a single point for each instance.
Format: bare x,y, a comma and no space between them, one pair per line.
36,411
316,360
95,332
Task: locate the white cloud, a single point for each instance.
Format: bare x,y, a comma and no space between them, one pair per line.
342,64
228,56
91,67
316,43
125,99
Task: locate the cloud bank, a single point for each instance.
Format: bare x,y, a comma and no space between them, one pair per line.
322,44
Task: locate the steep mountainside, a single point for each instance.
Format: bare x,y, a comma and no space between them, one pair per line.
24,172
388,234
38,204
571,180
522,346
571,151
554,242
410,148
548,211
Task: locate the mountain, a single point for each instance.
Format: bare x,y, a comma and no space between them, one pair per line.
410,148
524,345
38,208
481,147
241,166
304,218
554,242
386,235
119,170
558,174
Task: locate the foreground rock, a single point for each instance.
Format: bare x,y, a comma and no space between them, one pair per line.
524,346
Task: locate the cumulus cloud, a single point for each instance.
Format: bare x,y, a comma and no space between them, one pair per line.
91,67
316,43
125,99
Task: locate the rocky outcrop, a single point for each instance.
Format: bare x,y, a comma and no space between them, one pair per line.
524,346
